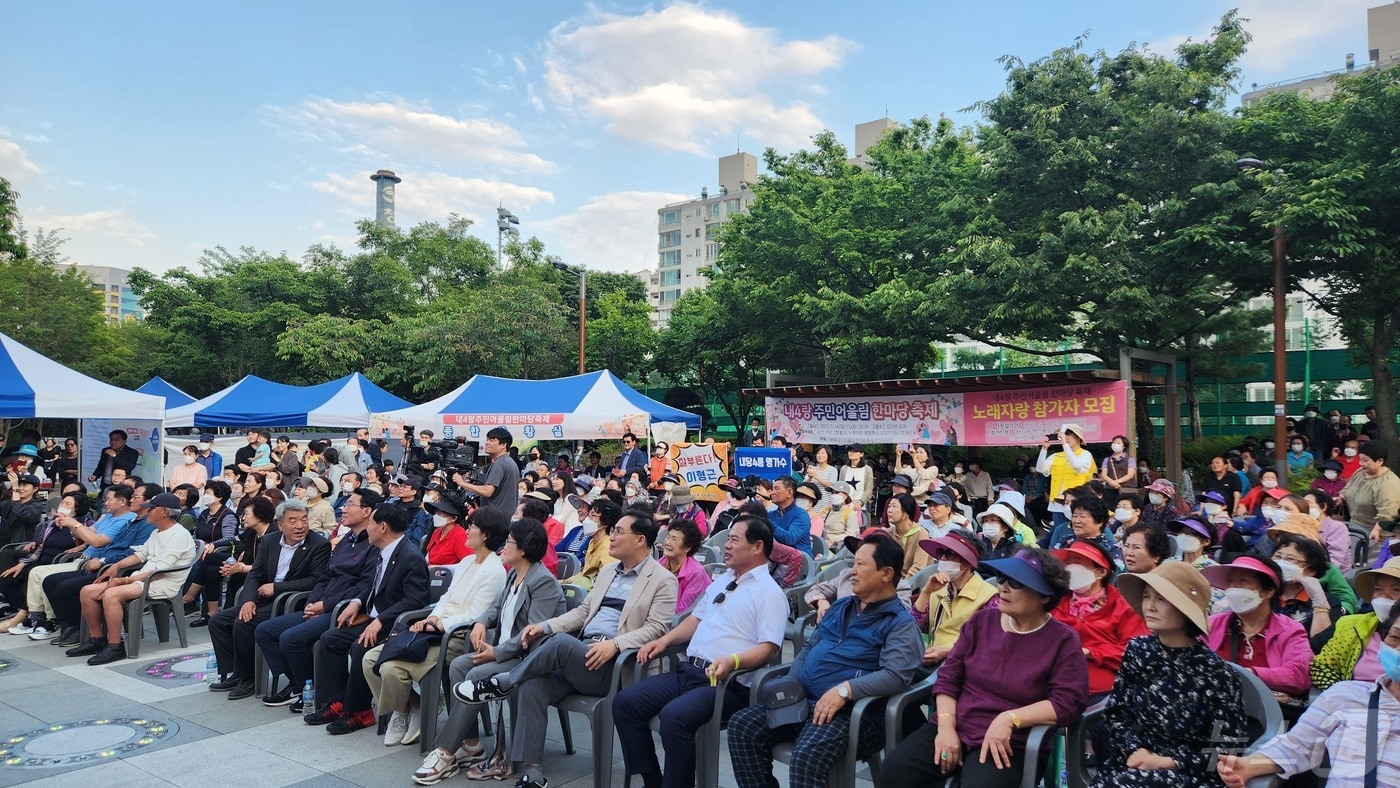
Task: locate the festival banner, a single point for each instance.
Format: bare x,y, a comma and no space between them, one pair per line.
522,426
1023,417
703,466
929,419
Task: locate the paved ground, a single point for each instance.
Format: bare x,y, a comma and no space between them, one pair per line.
151,721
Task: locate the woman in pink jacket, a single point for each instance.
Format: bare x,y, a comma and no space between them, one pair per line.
1252,633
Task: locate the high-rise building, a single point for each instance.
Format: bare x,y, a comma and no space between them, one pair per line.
118,301
687,232
1382,51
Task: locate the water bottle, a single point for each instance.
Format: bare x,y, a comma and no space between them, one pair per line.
308,697
211,669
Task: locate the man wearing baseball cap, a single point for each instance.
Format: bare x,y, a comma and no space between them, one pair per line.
104,601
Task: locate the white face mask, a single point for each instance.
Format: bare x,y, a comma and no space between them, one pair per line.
1331,475
1291,571
1187,543
1382,606
1315,512
1267,512
804,504
431,497
949,567
1268,445
189,459
1349,452
838,501
1080,577
669,486
1117,447
204,447
1157,499
1269,484
1278,515
65,511
439,520
957,469
991,529
1211,509
1123,515
347,487
1297,447
1242,600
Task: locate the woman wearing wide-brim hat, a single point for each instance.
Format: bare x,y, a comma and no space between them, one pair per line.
1174,702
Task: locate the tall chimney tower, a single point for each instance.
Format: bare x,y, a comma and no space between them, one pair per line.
384,196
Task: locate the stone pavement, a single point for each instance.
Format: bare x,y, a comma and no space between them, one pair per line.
152,721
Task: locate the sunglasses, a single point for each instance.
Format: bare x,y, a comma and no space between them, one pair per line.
1016,585
733,584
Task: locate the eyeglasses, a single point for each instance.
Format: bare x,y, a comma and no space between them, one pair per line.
615,531
1016,585
733,584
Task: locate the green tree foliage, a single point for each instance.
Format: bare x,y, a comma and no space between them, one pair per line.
718,343
620,338
1336,194
11,243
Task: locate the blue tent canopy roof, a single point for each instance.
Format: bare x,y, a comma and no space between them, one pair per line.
253,401
159,387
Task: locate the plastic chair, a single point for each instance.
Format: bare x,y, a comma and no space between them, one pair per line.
431,688
162,610
843,772
809,569
598,710
716,539
831,570
573,595
439,580
1259,705
715,570
921,577
800,616
568,566
709,555
820,550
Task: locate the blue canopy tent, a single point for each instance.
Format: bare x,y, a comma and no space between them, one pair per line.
33,385
159,387
253,401
580,407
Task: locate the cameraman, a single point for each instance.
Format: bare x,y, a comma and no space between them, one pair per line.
500,490
420,458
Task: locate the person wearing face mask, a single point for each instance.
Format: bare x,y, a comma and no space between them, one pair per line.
658,466
808,496
1160,506
1068,469
349,483
1213,509
1301,597
447,542
727,510
580,535
604,513
1352,649
1097,611
952,594
1306,526
843,519
1298,457
1252,500
1348,456
661,505
1330,480
217,528
1119,469
1193,539
1125,514
1000,537
1337,724
313,490
1251,633
1336,537
49,542
189,471
1313,430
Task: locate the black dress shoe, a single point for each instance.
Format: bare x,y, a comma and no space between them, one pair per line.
68,637
89,648
202,621
225,685
243,690
111,652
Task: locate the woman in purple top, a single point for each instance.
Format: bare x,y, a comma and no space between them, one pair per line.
683,539
1013,666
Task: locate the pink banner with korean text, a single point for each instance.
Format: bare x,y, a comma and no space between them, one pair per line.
1022,417
929,419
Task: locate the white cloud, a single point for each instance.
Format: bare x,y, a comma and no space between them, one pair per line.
14,161
686,77
612,232
1285,29
432,196
112,223
398,129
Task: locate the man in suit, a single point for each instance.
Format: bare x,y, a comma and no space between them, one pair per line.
399,584
631,604
633,458
287,641
116,455
289,560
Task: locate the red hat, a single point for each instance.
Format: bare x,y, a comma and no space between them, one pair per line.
1083,550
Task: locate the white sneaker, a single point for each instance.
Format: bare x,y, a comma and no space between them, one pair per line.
22,628
398,726
415,725
41,632
436,768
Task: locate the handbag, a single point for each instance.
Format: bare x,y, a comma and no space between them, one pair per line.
784,702
405,645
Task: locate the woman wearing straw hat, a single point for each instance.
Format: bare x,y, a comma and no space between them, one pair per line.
1352,652
1175,702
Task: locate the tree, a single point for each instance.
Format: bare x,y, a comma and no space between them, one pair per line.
11,238
620,338
1336,195
716,343
435,257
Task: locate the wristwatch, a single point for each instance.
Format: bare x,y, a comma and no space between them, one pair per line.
844,690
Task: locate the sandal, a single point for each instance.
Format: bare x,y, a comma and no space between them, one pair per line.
490,771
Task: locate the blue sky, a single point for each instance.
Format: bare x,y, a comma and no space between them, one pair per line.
149,131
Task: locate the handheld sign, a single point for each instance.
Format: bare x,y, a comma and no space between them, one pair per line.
763,463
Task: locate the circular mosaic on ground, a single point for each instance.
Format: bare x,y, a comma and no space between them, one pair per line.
6,663
182,668
82,741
